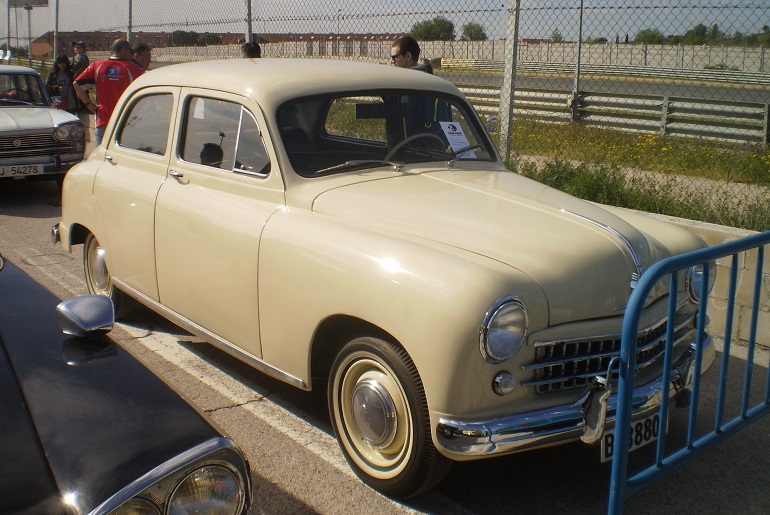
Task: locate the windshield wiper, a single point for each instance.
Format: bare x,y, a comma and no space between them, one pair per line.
16,101
361,163
457,153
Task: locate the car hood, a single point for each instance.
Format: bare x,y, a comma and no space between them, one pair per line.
100,417
583,257
25,118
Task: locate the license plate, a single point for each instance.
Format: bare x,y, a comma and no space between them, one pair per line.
642,432
20,170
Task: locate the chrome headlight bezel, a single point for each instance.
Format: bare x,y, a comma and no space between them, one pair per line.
503,329
694,279
159,486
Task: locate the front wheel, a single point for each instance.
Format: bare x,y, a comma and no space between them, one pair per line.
380,416
98,278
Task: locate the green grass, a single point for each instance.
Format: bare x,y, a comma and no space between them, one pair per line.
744,163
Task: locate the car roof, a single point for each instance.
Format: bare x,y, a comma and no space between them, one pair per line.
272,81
17,70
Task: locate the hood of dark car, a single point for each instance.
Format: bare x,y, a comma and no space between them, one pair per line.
16,118
98,415
584,257
26,482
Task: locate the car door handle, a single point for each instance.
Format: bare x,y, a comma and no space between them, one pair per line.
108,157
176,174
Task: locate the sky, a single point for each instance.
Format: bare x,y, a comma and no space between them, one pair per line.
538,18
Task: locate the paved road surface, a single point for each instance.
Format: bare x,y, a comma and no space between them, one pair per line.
296,465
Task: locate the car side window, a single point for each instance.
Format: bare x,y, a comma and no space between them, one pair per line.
145,128
211,132
251,156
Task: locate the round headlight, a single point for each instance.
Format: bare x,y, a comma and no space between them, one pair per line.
696,274
503,330
62,132
77,132
211,489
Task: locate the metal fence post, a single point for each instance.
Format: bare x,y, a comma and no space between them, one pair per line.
509,81
576,82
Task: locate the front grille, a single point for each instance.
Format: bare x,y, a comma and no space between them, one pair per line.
38,144
570,364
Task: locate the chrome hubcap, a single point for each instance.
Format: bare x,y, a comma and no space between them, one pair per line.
374,413
99,268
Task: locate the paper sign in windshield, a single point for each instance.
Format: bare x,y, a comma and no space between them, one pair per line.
457,139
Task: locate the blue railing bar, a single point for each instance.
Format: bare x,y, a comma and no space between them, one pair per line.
753,329
685,454
700,328
672,302
618,482
722,388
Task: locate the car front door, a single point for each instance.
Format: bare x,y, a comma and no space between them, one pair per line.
210,215
127,184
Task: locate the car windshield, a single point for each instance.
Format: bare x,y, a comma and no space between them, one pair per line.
347,132
21,89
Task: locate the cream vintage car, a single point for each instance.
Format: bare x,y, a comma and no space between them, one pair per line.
350,226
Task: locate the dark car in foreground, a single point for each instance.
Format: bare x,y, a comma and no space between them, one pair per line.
36,139
86,428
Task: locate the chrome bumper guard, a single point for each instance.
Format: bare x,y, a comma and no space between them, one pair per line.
55,236
585,420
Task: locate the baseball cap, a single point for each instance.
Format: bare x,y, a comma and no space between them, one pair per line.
79,43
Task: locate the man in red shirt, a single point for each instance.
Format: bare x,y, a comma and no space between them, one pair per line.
110,78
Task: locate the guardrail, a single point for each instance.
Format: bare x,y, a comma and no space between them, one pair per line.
735,256
703,75
711,119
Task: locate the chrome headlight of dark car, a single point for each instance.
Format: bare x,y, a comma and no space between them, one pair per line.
503,330
69,131
210,478
696,274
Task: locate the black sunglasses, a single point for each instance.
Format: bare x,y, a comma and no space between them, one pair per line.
393,57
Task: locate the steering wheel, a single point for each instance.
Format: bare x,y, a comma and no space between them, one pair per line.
18,94
411,138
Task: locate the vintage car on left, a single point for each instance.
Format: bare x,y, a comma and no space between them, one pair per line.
36,139
350,226
86,428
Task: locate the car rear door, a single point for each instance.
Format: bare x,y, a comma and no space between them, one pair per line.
210,216
127,184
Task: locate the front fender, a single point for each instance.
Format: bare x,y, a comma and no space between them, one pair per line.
430,297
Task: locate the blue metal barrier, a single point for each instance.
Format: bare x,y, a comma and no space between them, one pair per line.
622,486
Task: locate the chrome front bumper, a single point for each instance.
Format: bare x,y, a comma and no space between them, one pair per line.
584,420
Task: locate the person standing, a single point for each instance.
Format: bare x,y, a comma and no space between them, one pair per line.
59,84
405,53
80,61
142,56
110,78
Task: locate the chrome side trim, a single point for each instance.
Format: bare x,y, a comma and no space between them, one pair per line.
634,255
213,339
465,439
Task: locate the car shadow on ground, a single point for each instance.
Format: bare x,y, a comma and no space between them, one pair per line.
566,479
17,195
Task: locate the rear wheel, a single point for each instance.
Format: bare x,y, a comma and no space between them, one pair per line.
380,416
98,278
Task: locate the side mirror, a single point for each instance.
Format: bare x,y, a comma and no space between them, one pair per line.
86,316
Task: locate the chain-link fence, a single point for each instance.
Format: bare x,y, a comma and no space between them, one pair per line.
653,104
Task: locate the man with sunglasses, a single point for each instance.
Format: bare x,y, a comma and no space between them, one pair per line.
405,53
